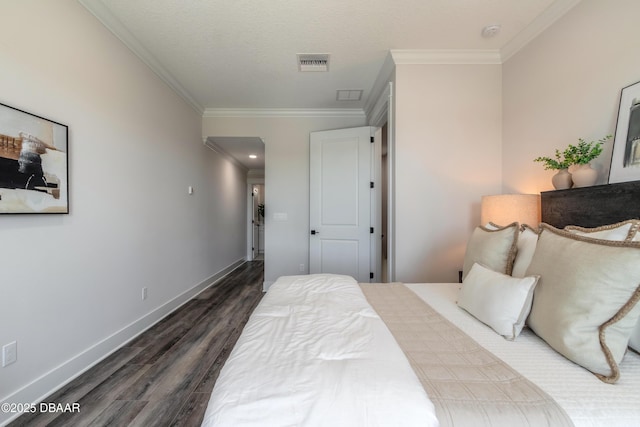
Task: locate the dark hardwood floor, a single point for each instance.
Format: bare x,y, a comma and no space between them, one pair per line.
164,377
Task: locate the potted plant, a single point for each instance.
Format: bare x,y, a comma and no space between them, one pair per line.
580,155
562,179
585,152
558,163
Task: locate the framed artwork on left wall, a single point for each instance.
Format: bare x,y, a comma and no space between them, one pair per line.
34,172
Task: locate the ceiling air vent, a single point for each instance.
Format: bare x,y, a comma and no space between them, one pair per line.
313,62
348,94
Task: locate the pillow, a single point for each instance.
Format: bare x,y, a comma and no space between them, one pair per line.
527,241
585,305
625,230
492,226
619,231
525,248
495,249
634,341
497,300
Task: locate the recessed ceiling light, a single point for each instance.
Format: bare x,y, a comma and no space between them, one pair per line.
253,156
490,30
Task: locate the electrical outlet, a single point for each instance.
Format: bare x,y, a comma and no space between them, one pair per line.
9,353
301,268
144,294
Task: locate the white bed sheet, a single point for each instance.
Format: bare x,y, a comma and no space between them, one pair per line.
315,353
588,401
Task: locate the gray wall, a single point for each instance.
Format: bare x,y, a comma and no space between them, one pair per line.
566,85
71,284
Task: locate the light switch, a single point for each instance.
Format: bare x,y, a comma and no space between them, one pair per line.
9,353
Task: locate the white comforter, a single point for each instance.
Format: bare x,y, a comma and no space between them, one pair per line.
314,353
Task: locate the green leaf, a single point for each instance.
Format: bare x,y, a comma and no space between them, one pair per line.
580,154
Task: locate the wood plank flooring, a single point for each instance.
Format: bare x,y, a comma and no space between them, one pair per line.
164,377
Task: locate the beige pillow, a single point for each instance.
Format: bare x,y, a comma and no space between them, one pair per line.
625,230
585,305
495,249
634,342
619,231
497,300
527,241
525,248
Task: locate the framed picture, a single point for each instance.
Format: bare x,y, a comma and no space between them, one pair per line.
625,160
34,173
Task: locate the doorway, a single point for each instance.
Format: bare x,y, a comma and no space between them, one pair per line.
343,209
383,117
384,204
257,221
247,153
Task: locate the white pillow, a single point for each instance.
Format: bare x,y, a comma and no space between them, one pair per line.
619,231
634,341
492,226
495,249
585,305
497,300
527,241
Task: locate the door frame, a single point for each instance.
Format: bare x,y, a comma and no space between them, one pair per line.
376,205
382,114
250,182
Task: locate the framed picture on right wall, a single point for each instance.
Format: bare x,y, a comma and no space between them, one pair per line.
625,160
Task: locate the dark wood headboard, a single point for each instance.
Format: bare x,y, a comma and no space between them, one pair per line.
591,206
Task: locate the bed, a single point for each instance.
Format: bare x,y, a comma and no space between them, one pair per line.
323,350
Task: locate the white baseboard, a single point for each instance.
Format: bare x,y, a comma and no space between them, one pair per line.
266,284
61,375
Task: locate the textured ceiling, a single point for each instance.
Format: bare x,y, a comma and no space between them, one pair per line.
228,54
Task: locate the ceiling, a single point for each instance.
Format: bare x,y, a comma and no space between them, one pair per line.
223,55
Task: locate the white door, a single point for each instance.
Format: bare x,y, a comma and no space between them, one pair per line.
342,231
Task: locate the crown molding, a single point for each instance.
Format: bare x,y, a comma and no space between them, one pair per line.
378,114
445,56
283,112
256,175
555,11
215,147
102,13
380,86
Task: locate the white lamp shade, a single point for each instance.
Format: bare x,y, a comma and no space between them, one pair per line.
503,209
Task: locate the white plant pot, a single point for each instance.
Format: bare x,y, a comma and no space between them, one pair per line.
584,176
562,180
